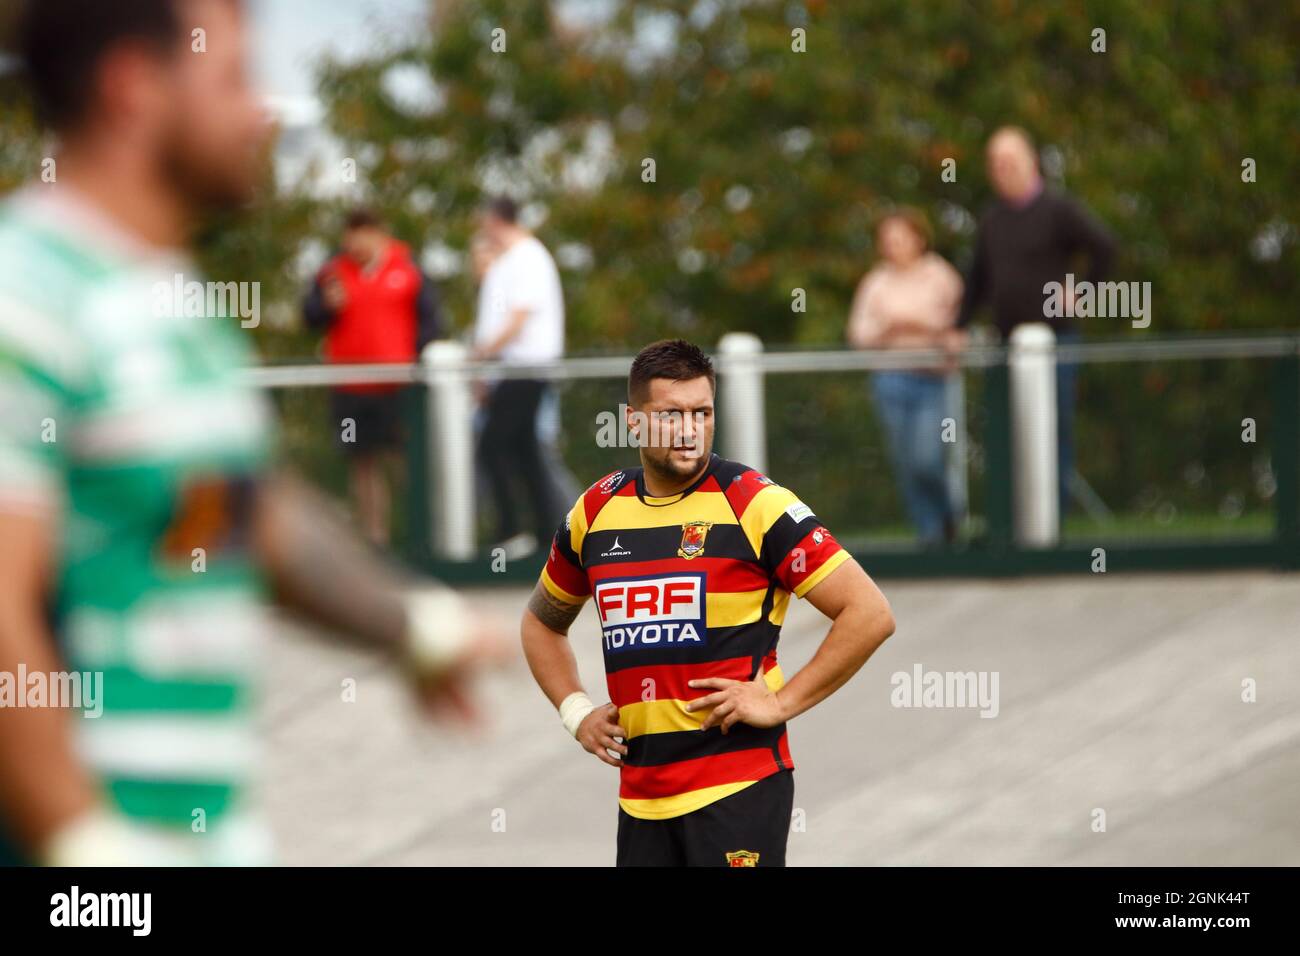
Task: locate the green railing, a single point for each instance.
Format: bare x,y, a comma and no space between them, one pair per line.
1266,535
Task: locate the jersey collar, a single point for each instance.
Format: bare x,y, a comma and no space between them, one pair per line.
654,502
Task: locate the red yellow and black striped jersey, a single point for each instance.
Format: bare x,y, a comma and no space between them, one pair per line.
689,586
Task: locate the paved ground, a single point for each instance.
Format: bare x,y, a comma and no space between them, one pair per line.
1120,694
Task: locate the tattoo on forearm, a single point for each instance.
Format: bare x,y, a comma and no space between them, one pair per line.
556,614
321,569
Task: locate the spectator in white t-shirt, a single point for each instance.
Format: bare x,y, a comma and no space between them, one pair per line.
520,322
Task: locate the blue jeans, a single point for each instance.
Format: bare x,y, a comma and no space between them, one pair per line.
912,407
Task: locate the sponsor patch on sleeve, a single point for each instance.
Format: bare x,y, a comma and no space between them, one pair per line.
798,511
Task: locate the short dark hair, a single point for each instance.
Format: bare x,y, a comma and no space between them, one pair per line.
674,359
362,217
503,207
62,42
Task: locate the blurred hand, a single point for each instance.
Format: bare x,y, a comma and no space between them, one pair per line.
597,731
446,693
954,343
335,295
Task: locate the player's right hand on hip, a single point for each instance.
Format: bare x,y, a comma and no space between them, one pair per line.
597,732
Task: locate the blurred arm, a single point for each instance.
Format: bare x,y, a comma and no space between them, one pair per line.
976,280
316,315
43,784
864,330
320,568
861,622
515,325
1086,233
428,314
951,295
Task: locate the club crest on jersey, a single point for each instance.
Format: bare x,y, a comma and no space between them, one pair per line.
693,535
742,858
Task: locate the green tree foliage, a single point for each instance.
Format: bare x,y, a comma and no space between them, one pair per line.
21,143
771,165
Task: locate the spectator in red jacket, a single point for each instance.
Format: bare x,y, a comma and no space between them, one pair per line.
374,305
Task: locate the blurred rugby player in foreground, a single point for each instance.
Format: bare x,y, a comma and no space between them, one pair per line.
140,529
692,560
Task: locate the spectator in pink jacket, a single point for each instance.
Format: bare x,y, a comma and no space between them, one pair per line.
910,300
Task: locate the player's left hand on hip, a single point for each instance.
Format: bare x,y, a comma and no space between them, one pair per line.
750,702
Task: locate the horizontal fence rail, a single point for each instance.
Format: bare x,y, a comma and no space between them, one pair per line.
1023,524
776,363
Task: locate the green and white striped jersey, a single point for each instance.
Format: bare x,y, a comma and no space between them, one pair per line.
126,420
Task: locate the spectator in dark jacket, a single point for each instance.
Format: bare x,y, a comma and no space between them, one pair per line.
374,305
1029,237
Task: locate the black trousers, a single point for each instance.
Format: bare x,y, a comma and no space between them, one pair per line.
508,450
749,828
376,419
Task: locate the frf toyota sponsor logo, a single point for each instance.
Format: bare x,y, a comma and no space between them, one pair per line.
652,611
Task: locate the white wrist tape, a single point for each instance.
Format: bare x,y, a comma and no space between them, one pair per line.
438,626
100,838
574,710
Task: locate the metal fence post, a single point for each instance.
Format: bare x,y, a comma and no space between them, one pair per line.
1032,367
1286,456
416,521
998,490
450,421
957,465
744,417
